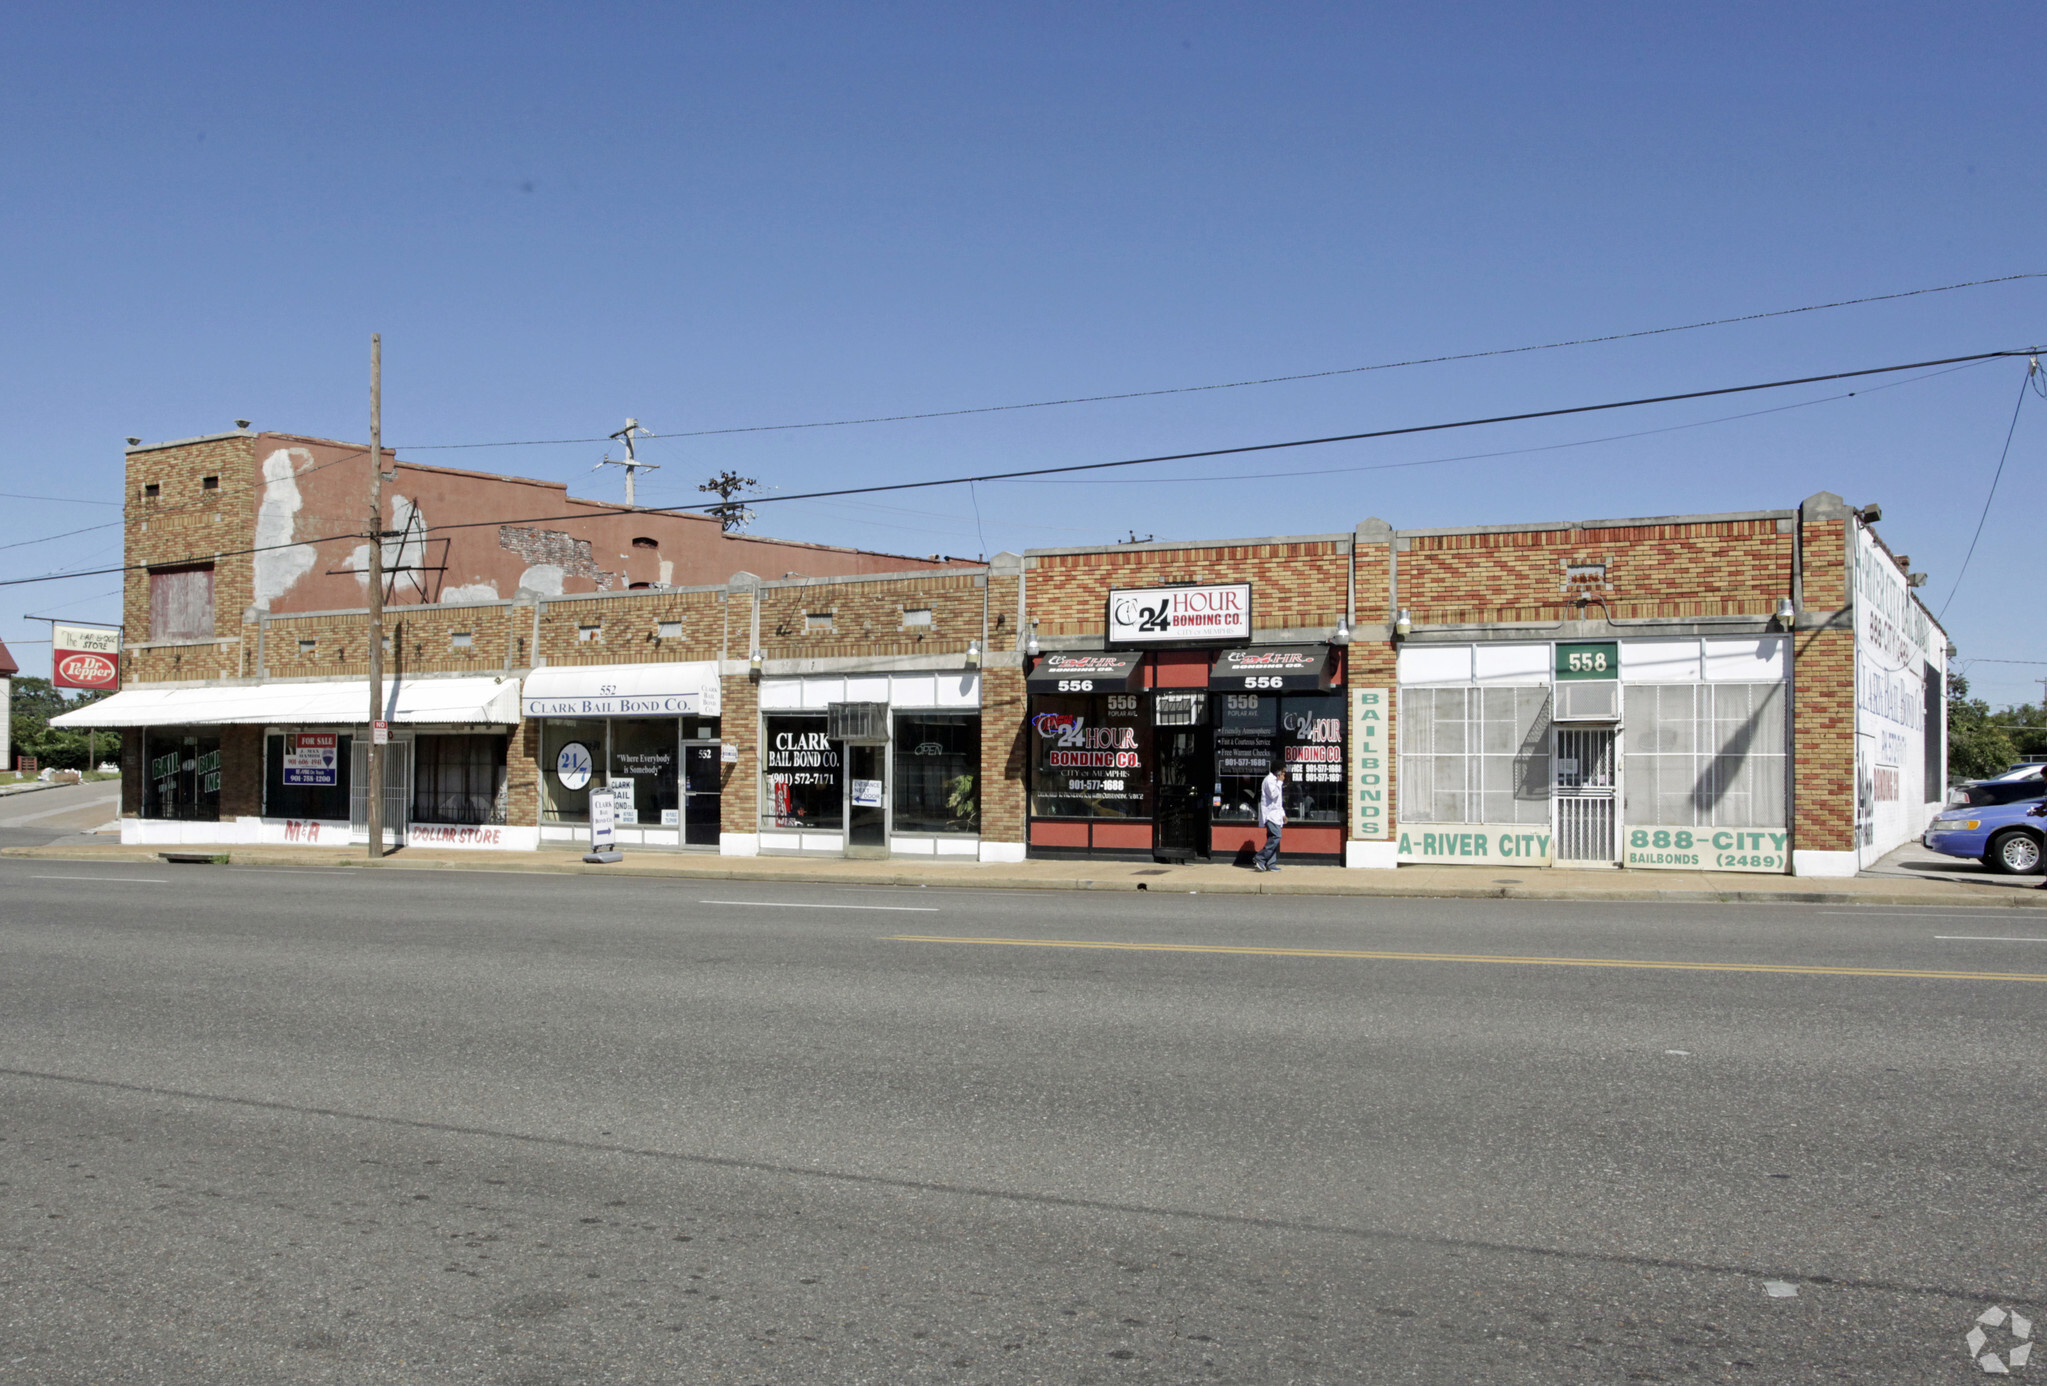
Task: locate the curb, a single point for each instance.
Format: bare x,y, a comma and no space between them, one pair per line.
1253,885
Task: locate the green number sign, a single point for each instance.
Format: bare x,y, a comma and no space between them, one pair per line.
1589,661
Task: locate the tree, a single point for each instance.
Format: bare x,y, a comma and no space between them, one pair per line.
33,703
1978,743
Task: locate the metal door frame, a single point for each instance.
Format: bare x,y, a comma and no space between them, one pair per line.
684,745
1611,794
882,748
397,803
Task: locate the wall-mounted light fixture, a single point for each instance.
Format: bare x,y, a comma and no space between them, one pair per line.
1403,624
1342,636
973,654
753,665
1031,641
1786,612
134,442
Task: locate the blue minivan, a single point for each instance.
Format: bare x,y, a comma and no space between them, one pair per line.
1993,825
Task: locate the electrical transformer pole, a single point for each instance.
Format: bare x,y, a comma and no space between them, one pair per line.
374,791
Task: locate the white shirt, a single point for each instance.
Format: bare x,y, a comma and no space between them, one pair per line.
1270,807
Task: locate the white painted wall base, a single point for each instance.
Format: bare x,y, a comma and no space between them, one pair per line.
1002,852
1372,856
1823,863
160,832
739,844
496,838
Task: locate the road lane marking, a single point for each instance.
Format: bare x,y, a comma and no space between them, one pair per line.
1377,956
788,905
118,880
1985,938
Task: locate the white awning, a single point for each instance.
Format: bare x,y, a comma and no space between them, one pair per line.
683,689
491,701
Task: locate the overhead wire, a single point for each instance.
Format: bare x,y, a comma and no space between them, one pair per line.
1271,379
2025,388
590,509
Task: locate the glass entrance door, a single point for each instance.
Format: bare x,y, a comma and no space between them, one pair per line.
700,794
867,799
1186,770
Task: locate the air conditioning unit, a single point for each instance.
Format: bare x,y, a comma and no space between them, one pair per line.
856,722
1179,709
1588,700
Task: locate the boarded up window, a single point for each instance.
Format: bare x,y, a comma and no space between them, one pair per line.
181,603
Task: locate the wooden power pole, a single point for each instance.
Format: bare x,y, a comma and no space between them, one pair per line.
375,789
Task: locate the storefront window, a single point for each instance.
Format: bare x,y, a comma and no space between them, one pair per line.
937,772
1704,755
571,757
643,758
184,777
458,779
1091,756
1256,731
305,775
801,775
1475,755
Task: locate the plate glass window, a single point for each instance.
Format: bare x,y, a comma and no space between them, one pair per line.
802,774
1091,756
459,779
937,772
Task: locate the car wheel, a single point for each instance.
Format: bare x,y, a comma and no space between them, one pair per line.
2014,853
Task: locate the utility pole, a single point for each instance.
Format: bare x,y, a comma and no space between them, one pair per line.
631,464
374,791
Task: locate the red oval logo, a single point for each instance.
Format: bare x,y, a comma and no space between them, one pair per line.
86,671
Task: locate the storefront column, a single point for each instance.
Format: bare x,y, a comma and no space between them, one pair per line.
739,821
1005,751
1375,664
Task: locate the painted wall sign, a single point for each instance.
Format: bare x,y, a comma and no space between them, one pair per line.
1371,818
1706,849
1476,844
85,657
1596,660
573,765
621,705
312,758
1175,615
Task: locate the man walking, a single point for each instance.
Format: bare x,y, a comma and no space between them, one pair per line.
1271,817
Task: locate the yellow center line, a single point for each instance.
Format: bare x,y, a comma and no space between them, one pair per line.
1376,955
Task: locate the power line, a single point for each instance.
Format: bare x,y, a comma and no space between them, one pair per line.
590,509
2031,368
1271,379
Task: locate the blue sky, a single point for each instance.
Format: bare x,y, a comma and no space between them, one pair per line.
723,217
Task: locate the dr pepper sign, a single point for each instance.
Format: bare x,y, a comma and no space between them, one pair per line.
85,657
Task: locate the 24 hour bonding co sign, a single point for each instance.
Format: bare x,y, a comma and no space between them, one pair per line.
1172,615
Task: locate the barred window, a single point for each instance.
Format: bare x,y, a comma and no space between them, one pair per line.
458,779
1474,755
1703,755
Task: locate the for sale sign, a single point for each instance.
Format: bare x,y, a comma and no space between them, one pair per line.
85,657
312,758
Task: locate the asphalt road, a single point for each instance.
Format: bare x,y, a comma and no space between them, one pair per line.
64,813
351,1126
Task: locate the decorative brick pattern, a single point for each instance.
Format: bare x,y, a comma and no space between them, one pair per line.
1294,585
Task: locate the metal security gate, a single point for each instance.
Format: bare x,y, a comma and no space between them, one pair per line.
397,790
1586,805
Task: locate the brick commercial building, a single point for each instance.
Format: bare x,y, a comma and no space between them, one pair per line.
1746,692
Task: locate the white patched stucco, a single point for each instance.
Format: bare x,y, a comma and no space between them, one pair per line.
544,578
277,568
471,592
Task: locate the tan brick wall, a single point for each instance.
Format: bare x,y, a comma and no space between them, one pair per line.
1823,740
1721,568
186,523
522,776
867,618
1004,750
739,804
241,772
627,629
1293,585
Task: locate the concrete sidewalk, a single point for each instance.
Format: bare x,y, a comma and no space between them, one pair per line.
1444,882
